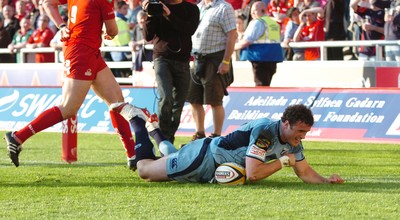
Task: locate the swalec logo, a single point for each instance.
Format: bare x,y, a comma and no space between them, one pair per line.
8,101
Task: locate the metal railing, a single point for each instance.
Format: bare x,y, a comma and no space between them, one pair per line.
323,45
56,52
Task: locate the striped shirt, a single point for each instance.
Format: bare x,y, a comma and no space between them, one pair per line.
216,20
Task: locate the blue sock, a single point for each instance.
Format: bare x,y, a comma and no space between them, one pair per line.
144,147
157,135
164,146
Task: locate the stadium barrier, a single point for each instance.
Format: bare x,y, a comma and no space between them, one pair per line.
289,73
327,74
362,115
323,45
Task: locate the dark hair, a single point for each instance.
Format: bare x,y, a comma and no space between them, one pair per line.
119,4
298,113
290,11
382,4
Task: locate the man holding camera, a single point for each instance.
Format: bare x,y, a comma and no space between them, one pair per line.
170,25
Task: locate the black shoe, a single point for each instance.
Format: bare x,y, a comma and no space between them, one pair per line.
13,148
132,162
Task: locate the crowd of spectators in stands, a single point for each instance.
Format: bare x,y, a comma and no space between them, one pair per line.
331,20
317,20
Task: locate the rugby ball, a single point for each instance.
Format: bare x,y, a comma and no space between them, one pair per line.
230,174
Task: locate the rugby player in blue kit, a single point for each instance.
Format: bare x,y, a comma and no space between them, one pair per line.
263,146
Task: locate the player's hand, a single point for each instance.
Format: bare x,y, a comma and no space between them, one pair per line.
292,159
65,34
335,179
288,160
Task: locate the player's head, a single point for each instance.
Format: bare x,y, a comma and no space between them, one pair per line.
297,120
298,113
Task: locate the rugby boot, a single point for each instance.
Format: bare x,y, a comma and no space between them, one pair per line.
13,148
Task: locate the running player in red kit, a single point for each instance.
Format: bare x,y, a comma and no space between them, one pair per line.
84,68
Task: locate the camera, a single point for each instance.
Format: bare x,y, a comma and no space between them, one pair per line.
155,8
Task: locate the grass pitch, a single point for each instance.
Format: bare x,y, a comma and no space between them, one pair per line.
100,186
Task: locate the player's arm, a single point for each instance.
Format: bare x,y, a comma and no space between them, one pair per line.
111,29
306,173
258,170
51,8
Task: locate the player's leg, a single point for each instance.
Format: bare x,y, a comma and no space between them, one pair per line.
164,145
186,165
107,88
153,170
73,92
144,147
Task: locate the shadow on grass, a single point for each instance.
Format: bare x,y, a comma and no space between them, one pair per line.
63,164
348,186
132,180
50,178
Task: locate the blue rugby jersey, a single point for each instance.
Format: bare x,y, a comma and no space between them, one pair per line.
259,139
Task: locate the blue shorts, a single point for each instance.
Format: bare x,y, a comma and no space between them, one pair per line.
197,161
193,163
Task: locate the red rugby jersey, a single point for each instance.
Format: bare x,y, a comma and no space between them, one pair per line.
85,20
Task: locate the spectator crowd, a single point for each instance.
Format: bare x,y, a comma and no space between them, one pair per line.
24,23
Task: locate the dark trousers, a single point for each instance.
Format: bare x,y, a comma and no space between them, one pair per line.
263,72
172,79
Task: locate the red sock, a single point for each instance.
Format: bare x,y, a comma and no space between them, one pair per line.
46,119
123,129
